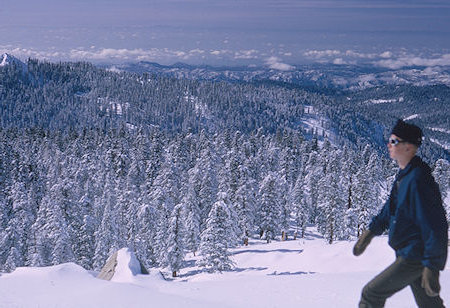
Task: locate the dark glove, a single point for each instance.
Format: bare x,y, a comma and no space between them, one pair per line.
430,281
363,242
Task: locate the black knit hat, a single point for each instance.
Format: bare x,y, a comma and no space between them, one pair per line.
408,132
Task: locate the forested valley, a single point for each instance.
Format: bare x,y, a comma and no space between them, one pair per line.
93,160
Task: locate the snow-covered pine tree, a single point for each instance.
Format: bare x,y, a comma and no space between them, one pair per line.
300,208
227,195
191,207
52,230
285,206
107,239
19,221
245,203
207,168
348,171
214,241
441,174
366,192
146,234
175,250
313,172
164,197
331,203
270,207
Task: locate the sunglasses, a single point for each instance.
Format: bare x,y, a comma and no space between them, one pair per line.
395,141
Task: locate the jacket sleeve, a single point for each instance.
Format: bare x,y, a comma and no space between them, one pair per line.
380,222
431,219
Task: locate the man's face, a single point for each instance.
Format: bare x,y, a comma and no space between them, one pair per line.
398,150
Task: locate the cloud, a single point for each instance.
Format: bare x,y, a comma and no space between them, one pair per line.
246,54
387,59
339,61
405,61
25,53
386,54
333,53
274,63
221,52
321,53
139,54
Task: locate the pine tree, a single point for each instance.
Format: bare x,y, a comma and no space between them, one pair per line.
191,206
331,204
313,173
441,174
107,236
146,234
270,207
245,204
300,206
54,245
175,241
365,197
17,228
215,238
206,167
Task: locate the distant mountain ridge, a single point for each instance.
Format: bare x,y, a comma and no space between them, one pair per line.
177,98
342,77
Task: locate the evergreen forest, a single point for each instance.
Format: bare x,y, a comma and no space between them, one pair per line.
92,161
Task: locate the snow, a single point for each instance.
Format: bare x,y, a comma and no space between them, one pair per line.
4,60
411,117
7,59
306,272
382,101
438,129
127,266
444,145
313,122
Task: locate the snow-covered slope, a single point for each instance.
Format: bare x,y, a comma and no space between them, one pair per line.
7,59
297,273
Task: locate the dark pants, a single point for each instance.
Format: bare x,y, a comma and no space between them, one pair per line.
394,278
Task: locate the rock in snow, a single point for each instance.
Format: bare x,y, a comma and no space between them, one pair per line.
121,266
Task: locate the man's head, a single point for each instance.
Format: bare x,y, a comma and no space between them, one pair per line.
404,141
408,132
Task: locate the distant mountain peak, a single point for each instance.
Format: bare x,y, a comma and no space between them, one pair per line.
7,59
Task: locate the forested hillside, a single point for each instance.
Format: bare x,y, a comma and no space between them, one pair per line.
78,95
93,160
76,197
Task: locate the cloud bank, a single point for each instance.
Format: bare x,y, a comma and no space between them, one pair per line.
386,59
390,59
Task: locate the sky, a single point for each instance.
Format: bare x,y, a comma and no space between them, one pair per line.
391,33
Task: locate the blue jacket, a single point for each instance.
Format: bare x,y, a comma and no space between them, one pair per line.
415,217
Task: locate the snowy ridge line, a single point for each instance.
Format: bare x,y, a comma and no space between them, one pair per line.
384,101
411,117
438,129
444,145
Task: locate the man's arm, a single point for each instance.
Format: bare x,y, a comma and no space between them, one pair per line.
430,217
380,222
377,226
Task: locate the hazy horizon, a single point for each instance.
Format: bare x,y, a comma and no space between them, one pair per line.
229,32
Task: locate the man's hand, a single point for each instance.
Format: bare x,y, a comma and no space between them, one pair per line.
430,281
363,242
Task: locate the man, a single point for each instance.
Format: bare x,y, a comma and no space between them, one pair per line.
418,229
